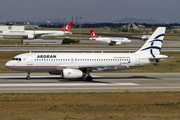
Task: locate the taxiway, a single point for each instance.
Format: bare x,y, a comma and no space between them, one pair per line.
90,46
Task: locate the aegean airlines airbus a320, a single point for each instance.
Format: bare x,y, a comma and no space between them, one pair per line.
79,65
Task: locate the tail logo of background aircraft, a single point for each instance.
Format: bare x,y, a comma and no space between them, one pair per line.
9,27
67,27
93,34
154,47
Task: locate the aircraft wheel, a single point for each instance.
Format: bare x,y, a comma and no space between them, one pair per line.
89,78
28,78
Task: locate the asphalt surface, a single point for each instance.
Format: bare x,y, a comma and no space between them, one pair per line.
102,82
88,45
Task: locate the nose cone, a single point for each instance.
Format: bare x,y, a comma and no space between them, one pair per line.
8,64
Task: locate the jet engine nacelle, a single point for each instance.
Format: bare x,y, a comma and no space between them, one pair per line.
72,73
118,43
30,36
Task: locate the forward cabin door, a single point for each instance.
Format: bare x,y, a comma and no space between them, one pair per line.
29,60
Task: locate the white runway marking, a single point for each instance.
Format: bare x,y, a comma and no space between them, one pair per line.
150,88
64,84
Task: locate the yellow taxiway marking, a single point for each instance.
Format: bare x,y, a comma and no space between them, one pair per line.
120,90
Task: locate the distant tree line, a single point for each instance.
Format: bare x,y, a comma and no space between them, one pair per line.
111,25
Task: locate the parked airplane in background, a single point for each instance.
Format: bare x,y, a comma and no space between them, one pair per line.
145,37
111,41
79,65
38,33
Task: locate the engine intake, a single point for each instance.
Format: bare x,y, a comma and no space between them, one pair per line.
30,36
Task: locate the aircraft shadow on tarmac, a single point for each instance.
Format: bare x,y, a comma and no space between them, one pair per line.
34,79
95,79
82,80
132,77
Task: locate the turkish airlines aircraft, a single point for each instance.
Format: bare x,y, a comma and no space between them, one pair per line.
111,41
79,65
30,33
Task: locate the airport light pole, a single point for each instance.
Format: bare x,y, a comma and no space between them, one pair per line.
34,27
64,28
80,30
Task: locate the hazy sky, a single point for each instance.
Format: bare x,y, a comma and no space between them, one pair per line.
89,10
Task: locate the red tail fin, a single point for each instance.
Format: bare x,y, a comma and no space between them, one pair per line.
68,26
93,34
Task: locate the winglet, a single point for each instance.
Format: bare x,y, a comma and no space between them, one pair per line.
68,26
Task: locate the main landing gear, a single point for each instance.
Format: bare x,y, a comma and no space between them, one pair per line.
89,78
28,76
110,44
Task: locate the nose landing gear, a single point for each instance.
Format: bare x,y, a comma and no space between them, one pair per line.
28,76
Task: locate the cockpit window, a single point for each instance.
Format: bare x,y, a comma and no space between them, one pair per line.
16,59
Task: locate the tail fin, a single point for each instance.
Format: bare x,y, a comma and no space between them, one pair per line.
154,43
93,34
68,26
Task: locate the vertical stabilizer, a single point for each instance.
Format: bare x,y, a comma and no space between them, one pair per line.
68,26
93,34
154,43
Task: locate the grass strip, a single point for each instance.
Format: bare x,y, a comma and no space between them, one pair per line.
94,106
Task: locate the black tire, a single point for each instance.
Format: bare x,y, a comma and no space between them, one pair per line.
89,78
28,78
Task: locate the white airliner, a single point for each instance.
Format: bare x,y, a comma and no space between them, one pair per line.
145,37
79,65
38,33
111,41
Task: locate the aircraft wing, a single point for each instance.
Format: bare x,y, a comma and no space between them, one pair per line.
92,68
89,66
48,33
113,40
38,35
120,40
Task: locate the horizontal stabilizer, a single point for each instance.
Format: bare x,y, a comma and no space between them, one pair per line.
158,58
